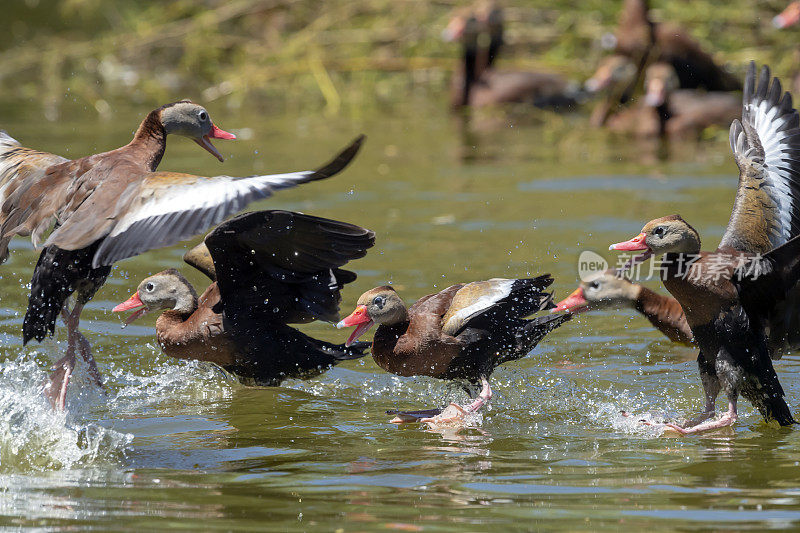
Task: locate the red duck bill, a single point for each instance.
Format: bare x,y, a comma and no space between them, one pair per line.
134,303
359,318
574,303
634,245
215,133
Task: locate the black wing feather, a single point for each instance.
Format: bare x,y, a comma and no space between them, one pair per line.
769,291
285,266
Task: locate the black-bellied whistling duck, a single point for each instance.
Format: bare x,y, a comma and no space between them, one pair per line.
478,83
686,112
269,269
644,42
110,206
460,333
610,290
637,37
666,111
615,78
480,18
735,298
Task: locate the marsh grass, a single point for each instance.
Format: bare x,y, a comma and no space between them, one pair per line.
330,55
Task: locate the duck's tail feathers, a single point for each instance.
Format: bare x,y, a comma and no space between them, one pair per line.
776,408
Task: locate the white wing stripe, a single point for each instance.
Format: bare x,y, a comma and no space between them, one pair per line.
183,211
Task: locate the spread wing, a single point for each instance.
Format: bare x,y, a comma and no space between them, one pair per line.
481,303
766,146
285,266
20,169
165,208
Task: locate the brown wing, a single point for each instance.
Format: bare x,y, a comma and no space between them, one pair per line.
473,299
159,209
766,146
200,337
20,170
437,303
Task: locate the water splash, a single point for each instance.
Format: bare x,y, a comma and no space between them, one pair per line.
34,437
169,380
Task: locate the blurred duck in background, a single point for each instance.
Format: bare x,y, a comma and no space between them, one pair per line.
639,42
478,83
667,111
686,112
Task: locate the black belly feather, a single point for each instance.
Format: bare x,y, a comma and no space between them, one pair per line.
272,352
734,351
57,275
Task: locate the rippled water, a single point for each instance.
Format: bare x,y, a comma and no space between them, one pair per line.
176,444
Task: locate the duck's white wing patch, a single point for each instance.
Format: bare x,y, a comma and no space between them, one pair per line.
766,147
473,299
170,208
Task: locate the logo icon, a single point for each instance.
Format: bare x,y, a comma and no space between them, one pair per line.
590,264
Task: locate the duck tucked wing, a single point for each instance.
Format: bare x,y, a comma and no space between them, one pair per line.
484,303
766,146
20,169
164,208
284,266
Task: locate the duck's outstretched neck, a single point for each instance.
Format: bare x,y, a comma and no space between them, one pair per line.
664,313
151,139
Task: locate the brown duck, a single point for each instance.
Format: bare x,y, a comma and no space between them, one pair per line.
110,206
686,112
669,112
478,83
645,41
641,42
461,333
741,300
268,269
610,290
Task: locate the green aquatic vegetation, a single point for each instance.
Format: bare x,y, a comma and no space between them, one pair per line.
330,55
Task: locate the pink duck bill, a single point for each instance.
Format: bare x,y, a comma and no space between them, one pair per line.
358,318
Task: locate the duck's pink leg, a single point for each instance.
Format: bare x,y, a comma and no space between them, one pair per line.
82,343
455,414
725,420
451,413
56,388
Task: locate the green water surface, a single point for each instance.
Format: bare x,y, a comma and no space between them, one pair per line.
172,444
